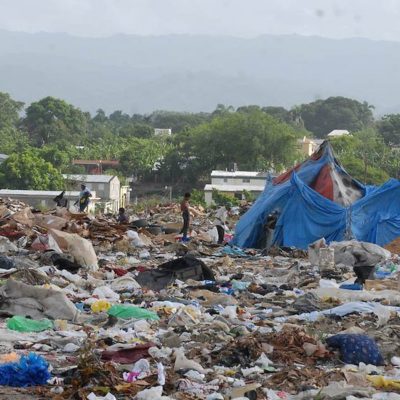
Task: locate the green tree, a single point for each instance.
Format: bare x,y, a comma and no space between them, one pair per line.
9,111
50,120
291,117
140,156
176,121
12,140
119,117
364,155
59,155
100,116
139,130
389,128
253,140
26,170
222,109
323,116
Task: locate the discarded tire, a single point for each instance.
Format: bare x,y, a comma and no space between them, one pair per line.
154,229
140,223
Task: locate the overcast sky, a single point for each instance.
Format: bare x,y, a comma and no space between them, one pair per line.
375,19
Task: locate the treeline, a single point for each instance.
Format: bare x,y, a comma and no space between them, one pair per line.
44,137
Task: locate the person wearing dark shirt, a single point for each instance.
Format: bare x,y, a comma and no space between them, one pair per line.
185,216
122,218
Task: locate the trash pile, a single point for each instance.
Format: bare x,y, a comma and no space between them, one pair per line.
91,309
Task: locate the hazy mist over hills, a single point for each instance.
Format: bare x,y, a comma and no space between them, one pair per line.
140,74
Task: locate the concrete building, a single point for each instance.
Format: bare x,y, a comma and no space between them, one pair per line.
160,132
308,146
107,187
338,132
43,199
125,196
234,183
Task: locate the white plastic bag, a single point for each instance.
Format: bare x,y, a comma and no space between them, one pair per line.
154,393
109,396
213,233
133,237
105,293
81,249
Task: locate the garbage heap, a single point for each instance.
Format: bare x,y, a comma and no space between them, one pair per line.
95,310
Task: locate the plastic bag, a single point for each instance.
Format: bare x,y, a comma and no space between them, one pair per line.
6,263
105,293
109,396
31,370
160,374
140,370
80,248
213,233
100,306
134,239
355,349
144,254
380,381
6,245
22,324
127,311
124,283
181,362
154,393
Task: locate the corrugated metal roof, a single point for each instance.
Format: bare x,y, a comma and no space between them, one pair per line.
42,193
89,178
239,174
12,192
233,188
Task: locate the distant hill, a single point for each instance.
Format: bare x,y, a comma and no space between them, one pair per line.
195,73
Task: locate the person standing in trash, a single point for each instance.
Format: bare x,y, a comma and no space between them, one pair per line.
84,198
186,216
220,221
60,200
122,218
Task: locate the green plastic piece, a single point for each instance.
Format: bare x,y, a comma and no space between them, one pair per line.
126,311
22,324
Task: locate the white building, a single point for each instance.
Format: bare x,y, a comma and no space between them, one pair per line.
107,187
159,132
43,199
308,146
234,183
338,132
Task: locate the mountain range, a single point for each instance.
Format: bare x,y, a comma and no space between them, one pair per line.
140,74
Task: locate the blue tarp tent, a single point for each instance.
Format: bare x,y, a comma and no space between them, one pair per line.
318,199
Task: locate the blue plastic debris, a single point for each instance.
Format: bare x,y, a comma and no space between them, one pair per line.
31,370
351,286
355,349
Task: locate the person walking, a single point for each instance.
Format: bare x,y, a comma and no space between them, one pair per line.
220,221
84,198
185,216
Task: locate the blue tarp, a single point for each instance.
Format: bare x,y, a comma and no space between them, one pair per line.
306,216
